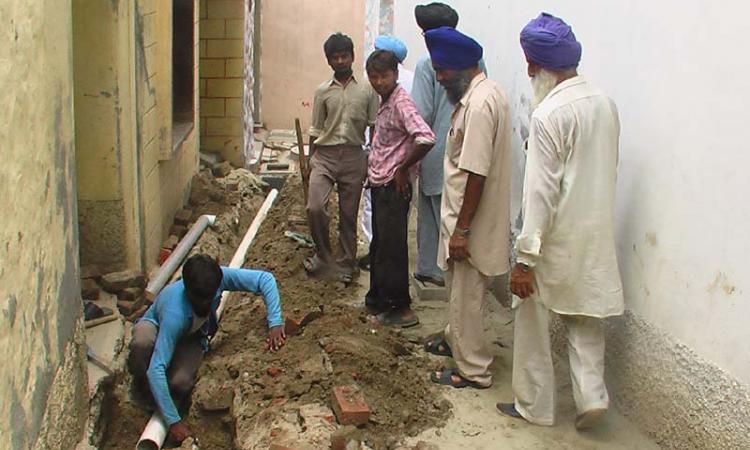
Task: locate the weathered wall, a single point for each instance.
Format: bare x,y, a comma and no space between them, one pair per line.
105,134
222,69
42,378
679,360
292,60
134,169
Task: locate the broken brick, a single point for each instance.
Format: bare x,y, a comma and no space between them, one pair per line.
178,230
291,326
137,313
117,281
222,169
89,289
164,254
342,438
349,405
182,217
171,242
130,294
274,372
233,185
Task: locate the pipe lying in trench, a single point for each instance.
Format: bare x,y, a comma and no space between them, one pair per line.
179,253
155,433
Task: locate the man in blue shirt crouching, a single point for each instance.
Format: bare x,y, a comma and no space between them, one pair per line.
170,339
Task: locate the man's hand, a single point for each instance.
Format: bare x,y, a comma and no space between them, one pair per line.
401,178
179,431
522,281
458,247
276,338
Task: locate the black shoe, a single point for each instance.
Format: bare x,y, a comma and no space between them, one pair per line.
432,280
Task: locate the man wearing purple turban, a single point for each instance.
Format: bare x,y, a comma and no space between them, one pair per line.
566,249
475,207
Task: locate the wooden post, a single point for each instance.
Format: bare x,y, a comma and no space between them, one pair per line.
303,162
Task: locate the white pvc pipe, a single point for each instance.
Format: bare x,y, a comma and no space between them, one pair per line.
178,254
155,433
239,256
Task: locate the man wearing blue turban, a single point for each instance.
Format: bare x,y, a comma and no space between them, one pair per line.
435,108
475,206
566,249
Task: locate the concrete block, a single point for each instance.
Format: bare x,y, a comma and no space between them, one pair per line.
224,88
235,28
89,289
225,9
231,126
212,68
117,281
349,405
212,29
225,48
183,216
428,291
212,107
235,68
202,48
130,294
203,8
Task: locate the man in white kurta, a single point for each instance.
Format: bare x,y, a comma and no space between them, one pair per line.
566,250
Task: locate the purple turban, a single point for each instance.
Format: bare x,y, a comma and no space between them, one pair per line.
451,49
391,44
550,42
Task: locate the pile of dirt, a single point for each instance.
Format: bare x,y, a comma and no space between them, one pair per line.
245,394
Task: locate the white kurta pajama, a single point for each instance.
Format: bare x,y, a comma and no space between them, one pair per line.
568,237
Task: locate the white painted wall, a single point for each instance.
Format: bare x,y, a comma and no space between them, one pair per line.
678,73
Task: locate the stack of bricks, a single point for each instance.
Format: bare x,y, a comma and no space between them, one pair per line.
222,28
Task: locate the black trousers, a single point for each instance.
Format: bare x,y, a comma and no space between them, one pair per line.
389,251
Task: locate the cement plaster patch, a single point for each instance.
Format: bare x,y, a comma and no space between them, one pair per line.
102,233
65,413
679,399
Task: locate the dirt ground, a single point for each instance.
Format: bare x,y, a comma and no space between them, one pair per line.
245,393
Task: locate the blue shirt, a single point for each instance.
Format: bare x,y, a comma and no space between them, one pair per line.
172,314
435,108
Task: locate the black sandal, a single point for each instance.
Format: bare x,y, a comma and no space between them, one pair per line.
446,379
438,346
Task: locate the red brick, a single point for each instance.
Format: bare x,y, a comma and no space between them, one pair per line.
116,281
274,372
349,405
291,326
164,254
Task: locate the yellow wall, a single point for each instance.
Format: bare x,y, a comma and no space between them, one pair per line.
133,176
291,52
221,72
43,393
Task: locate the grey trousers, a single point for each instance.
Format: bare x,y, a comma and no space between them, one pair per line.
346,167
183,369
428,235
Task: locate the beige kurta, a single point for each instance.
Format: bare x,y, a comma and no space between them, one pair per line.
569,199
479,142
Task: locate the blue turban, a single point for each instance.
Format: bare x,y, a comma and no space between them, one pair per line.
550,42
391,44
451,49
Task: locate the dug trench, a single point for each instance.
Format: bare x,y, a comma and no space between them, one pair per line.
249,398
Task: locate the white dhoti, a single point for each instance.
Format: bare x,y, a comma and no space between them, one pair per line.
533,373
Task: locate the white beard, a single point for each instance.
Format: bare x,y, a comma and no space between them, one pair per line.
542,83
